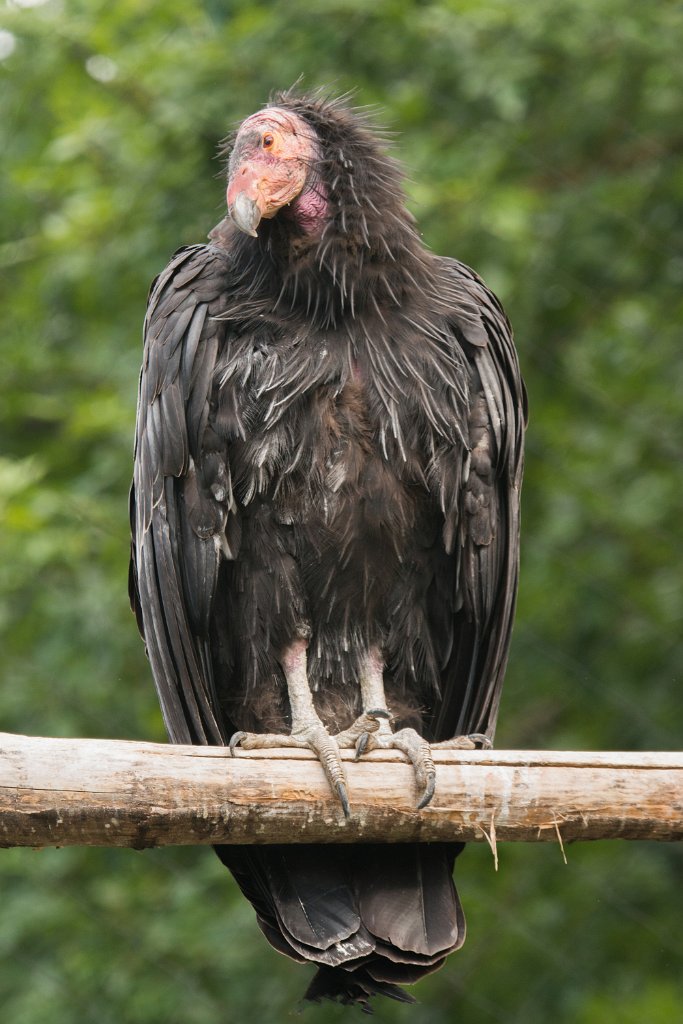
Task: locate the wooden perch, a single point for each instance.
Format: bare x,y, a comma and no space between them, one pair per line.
59,792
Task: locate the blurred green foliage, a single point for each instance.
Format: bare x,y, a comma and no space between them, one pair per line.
543,143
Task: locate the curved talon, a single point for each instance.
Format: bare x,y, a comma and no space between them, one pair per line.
235,741
317,739
480,737
361,745
428,792
343,798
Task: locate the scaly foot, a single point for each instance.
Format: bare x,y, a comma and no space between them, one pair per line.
308,732
418,751
311,736
365,724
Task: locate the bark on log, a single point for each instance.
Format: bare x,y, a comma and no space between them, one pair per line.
60,792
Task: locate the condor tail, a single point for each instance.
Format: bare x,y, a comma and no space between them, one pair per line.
371,917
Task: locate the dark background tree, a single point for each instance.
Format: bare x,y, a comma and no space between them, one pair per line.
543,143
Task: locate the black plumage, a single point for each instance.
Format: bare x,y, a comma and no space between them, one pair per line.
328,455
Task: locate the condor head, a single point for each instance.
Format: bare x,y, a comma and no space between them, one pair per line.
271,167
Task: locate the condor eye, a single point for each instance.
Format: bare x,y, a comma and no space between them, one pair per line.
268,140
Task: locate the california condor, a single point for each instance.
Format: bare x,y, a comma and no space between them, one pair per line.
325,515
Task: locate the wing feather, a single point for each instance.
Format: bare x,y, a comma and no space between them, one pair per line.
177,522
479,581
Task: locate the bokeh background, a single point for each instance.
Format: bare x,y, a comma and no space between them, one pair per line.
543,142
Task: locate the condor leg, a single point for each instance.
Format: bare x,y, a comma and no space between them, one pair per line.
381,736
375,717
307,729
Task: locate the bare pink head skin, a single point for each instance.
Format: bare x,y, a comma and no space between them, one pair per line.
269,169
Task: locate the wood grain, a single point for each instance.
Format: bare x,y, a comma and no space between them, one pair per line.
81,792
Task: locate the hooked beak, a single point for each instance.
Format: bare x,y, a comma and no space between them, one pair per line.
258,189
247,203
245,214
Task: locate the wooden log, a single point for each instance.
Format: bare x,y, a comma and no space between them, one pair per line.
63,792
